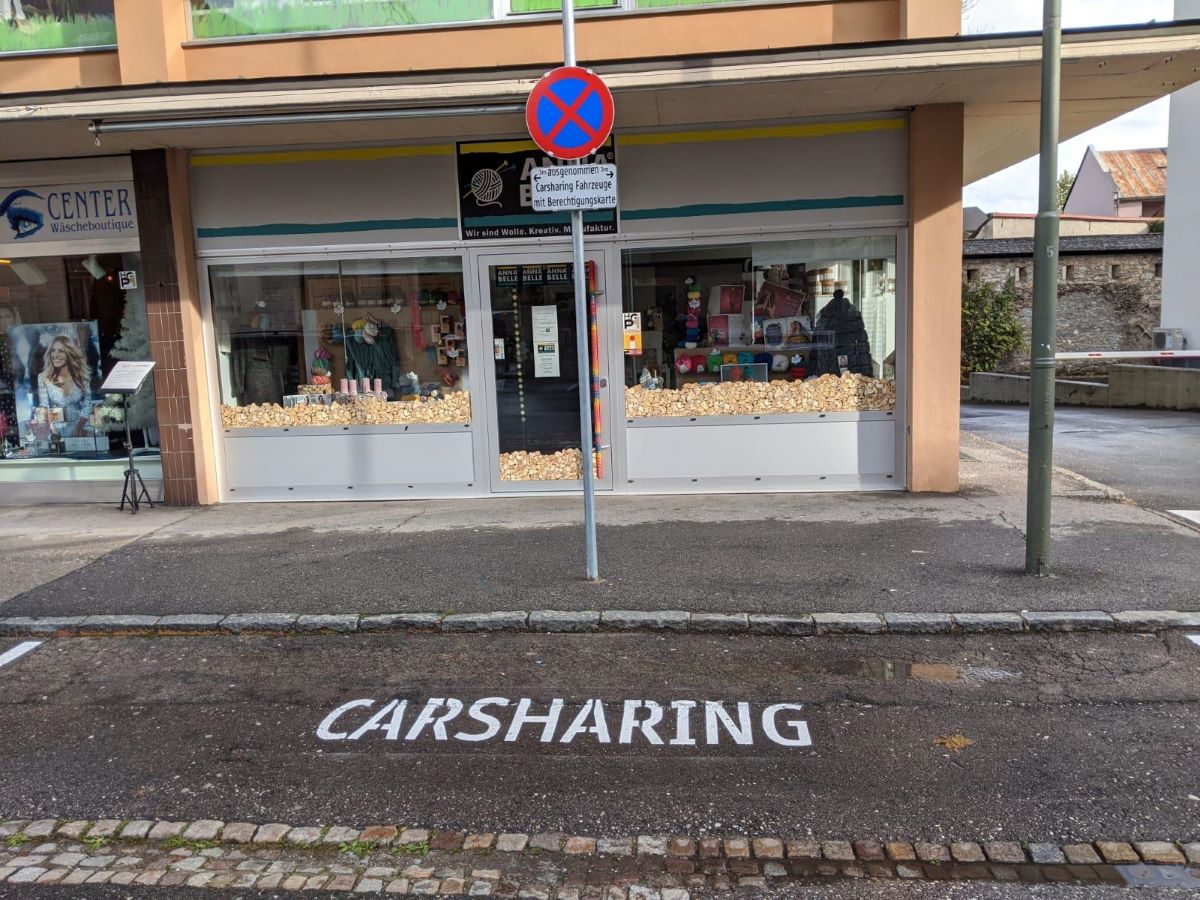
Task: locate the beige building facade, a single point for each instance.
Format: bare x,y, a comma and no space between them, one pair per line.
319,230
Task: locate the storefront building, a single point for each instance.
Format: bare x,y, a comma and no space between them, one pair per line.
348,295
71,303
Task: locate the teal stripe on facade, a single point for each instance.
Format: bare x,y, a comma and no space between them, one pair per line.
533,219
766,206
282,228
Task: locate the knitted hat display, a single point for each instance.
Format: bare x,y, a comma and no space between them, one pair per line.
714,362
779,362
763,358
729,359
699,363
745,358
683,365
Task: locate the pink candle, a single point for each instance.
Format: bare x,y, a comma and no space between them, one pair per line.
354,389
366,385
345,386
379,385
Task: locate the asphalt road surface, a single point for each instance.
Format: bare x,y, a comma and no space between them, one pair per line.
1072,736
1150,455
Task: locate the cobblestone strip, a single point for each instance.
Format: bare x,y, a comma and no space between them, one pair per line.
393,859
615,620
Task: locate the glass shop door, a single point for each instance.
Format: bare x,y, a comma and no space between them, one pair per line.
533,380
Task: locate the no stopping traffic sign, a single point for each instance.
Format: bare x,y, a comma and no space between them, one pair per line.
569,113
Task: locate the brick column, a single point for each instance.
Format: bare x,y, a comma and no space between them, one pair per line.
935,176
176,337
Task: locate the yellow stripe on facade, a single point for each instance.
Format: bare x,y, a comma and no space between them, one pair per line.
284,157
501,147
824,129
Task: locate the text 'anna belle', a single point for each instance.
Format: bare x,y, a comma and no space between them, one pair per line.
678,723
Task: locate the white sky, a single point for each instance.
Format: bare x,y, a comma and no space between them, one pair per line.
1015,189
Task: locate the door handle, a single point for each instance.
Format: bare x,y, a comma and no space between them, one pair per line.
603,383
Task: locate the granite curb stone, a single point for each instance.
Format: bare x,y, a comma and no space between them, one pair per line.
719,623
563,621
635,620
23,625
555,620
1085,620
118,623
494,621
188,623
919,623
272,622
848,623
764,623
989,622
342,624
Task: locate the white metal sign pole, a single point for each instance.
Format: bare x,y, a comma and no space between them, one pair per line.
583,342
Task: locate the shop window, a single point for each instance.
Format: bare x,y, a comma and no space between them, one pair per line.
64,323
50,25
328,343
234,18
764,328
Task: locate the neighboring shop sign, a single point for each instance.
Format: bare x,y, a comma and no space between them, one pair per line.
495,194
40,213
545,342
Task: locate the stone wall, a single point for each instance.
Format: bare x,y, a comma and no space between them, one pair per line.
1095,310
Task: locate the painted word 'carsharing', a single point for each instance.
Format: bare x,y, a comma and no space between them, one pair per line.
678,723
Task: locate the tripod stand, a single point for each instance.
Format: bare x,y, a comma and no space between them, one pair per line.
135,489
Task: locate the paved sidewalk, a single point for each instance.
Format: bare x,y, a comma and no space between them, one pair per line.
762,553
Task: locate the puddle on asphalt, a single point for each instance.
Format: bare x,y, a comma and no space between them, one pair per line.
876,669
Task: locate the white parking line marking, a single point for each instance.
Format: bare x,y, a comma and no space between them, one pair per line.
18,651
1194,638
1192,515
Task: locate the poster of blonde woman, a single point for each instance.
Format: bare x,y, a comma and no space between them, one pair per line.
56,376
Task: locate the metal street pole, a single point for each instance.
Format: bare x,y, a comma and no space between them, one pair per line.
582,342
1045,306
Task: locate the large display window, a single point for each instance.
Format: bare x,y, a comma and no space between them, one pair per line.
64,322
371,342
762,328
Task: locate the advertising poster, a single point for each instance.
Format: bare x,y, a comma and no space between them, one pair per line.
495,199
56,377
545,342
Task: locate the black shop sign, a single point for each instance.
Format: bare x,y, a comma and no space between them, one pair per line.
494,195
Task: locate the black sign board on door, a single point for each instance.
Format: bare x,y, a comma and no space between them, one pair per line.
493,193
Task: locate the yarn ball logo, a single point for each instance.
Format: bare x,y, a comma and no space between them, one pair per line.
23,220
487,185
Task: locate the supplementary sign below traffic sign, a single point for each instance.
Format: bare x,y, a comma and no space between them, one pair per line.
555,188
569,113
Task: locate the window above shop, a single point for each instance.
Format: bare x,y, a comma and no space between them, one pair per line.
213,19
33,25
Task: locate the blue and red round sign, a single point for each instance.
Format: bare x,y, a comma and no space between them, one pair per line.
569,113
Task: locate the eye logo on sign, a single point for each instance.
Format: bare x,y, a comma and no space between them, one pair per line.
24,221
569,113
